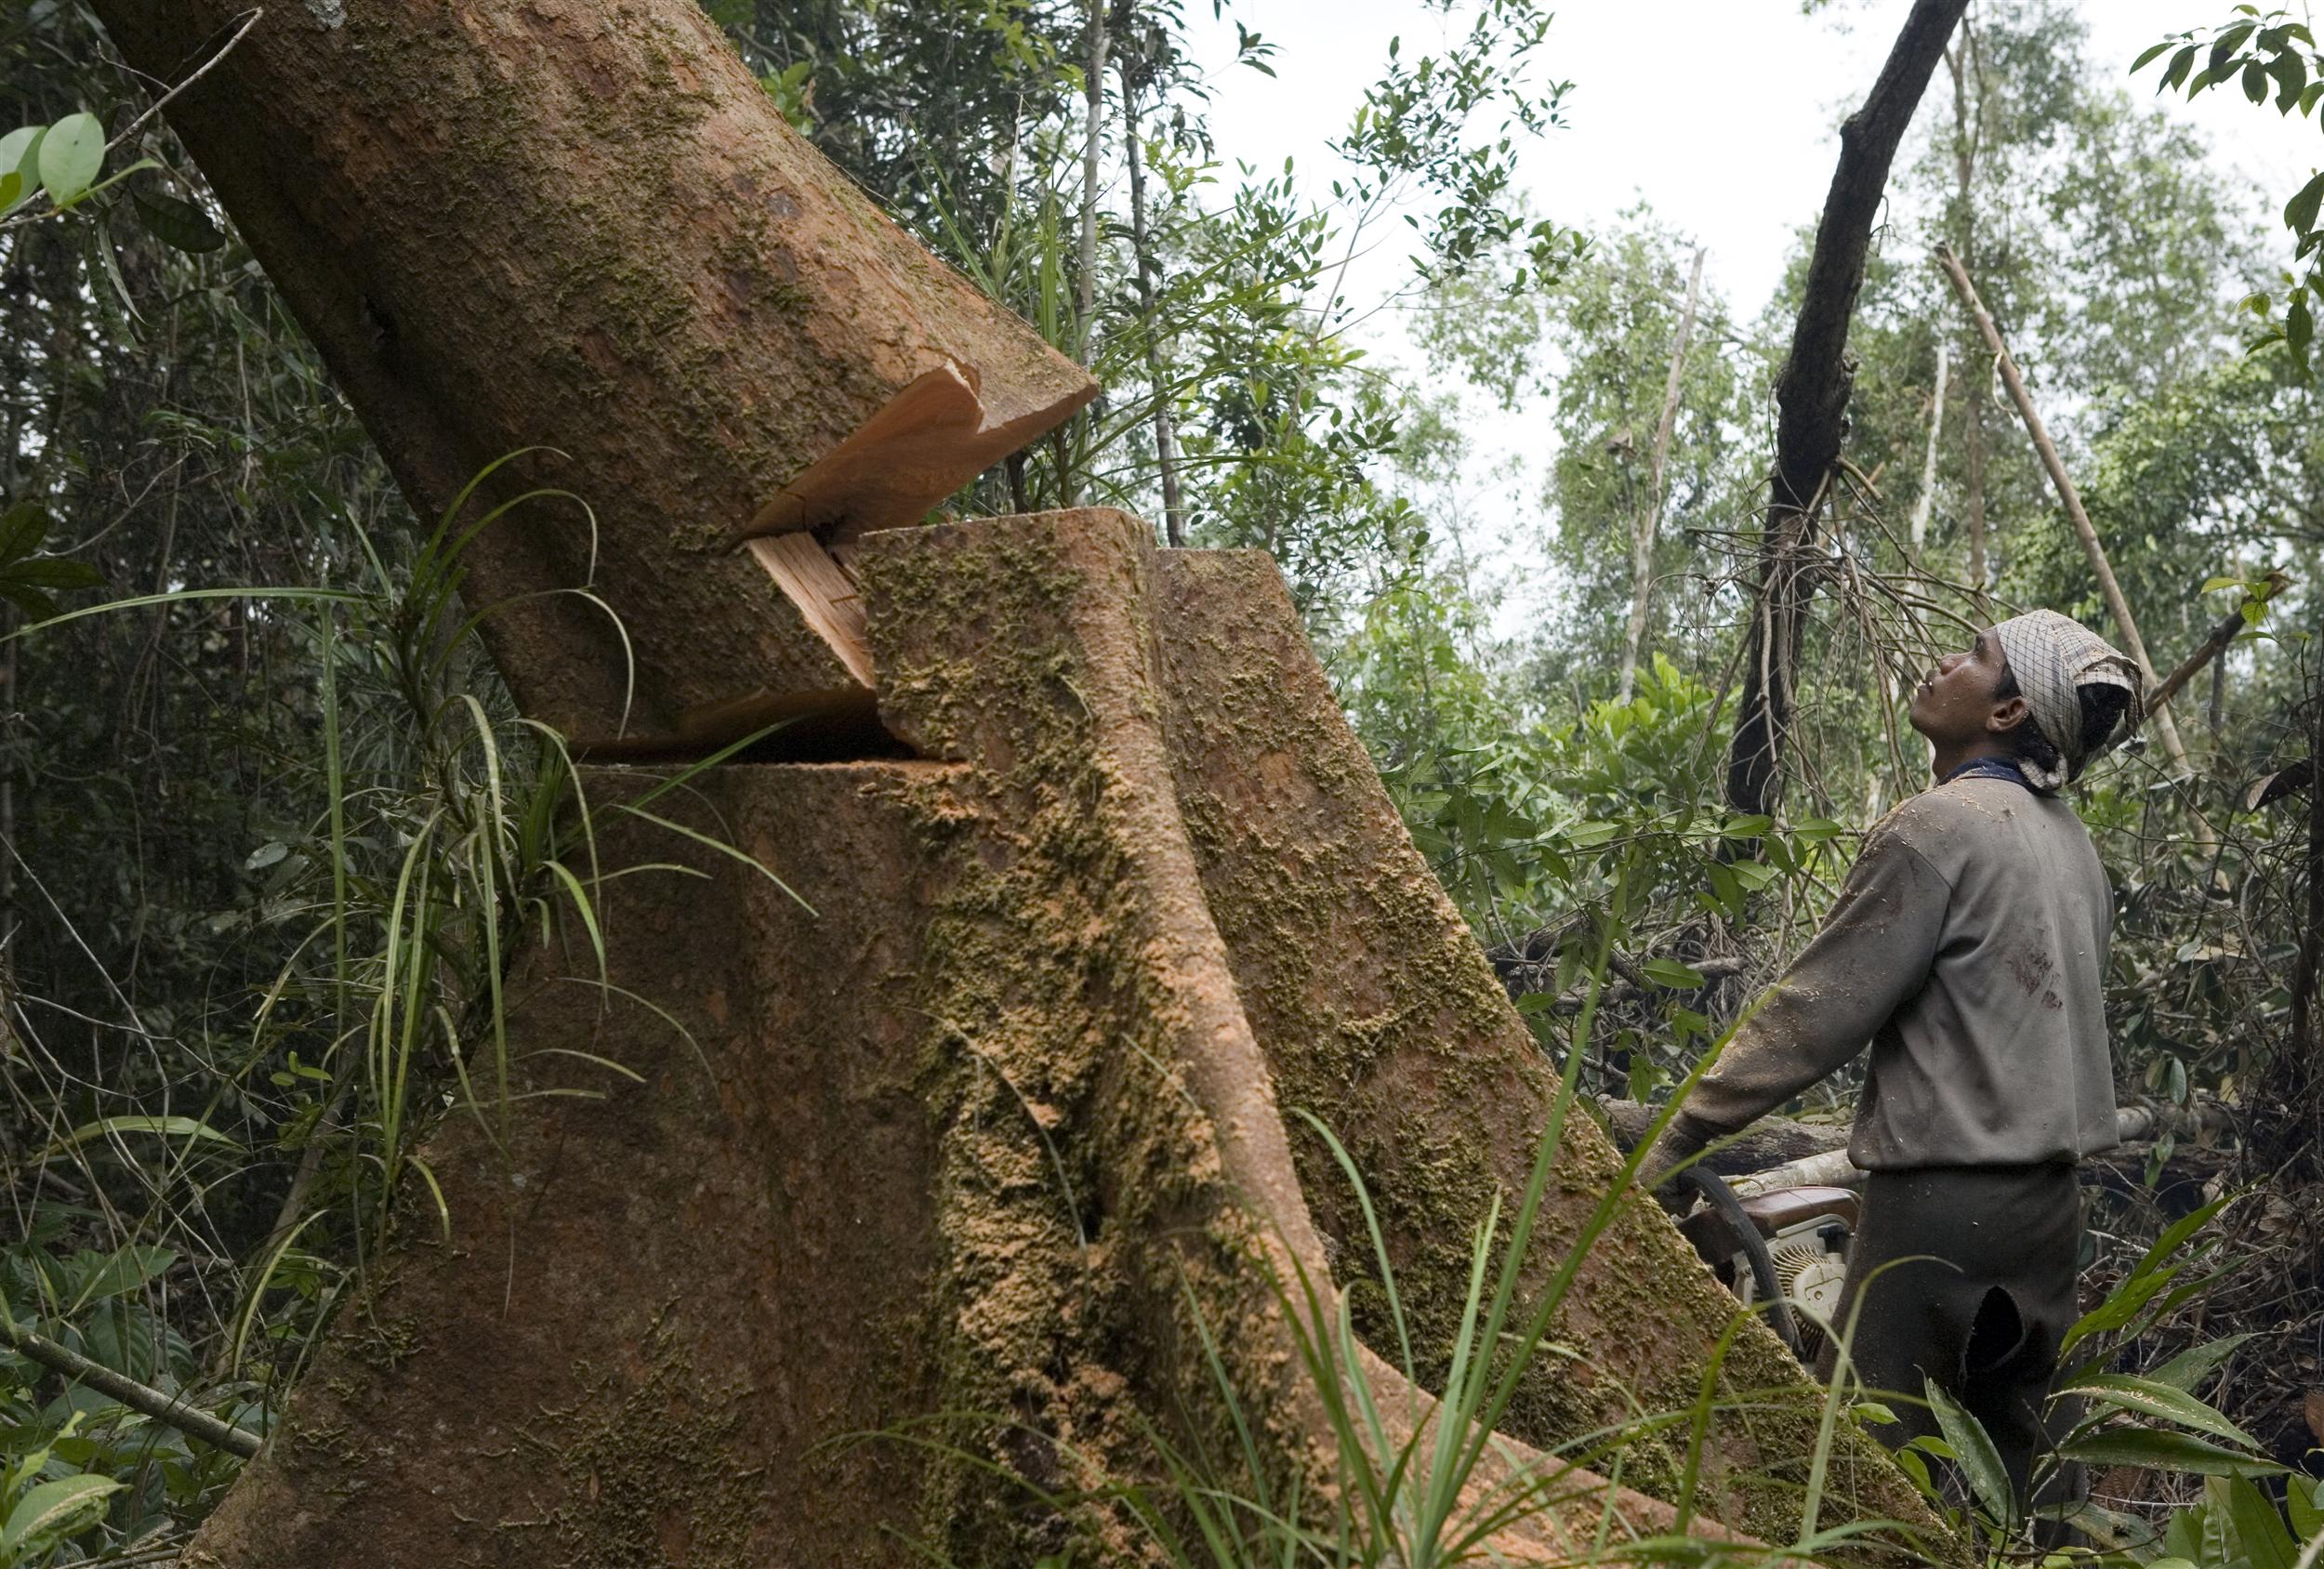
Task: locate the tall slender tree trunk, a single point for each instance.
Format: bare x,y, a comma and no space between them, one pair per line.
1926,503
2109,589
1967,127
1164,427
1086,249
1812,399
1646,530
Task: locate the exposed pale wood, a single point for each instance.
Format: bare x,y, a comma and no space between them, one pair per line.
2126,625
585,234
822,591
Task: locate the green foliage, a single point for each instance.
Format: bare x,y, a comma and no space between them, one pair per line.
95,1472
27,578
2267,55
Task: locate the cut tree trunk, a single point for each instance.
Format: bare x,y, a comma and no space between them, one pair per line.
1812,400
537,227
991,1154
986,1152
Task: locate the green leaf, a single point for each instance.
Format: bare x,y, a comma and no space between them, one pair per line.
1670,973
22,527
2301,1504
123,1270
2183,1538
2148,1397
2181,63
20,158
2150,55
2265,1540
53,1510
70,156
35,605
165,1128
2152,1449
53,572
2300,212
179,224
1972,1446
2255,81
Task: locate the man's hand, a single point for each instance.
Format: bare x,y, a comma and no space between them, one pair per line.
1663,1158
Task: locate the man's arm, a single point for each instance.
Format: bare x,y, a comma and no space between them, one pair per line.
1874,952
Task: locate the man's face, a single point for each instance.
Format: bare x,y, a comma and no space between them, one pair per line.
1958,703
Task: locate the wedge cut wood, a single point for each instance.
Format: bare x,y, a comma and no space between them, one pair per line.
585,235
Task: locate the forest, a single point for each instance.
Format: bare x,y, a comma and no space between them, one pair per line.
1115,1011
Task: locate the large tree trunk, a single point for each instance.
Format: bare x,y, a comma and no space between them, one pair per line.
587,236
1812,400
994,1128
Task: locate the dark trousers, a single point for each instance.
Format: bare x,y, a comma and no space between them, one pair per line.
1966,1277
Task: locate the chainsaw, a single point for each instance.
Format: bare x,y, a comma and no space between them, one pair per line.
1786,1248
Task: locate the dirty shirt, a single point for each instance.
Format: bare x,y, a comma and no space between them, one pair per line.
1969,947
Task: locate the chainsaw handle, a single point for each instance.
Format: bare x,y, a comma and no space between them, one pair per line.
1720,1197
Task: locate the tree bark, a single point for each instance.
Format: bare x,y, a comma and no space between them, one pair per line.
1812,399
2126,625
1647,529
525,228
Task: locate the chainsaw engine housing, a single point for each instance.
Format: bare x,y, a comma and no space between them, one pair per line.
1805,1230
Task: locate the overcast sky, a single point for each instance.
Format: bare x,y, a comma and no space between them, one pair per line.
1721,113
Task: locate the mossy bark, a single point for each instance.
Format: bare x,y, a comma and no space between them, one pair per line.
581,232
991,1133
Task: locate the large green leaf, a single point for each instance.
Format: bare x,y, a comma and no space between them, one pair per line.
1972,1448
178,223
71,154
2191,1366
2147,1397
166,1128
2152,1449
52,1509
2265,1540
2302,1503
22,527
53,572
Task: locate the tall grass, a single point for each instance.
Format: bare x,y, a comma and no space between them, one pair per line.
201,1244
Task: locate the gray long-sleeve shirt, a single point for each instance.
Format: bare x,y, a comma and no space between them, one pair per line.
1968,946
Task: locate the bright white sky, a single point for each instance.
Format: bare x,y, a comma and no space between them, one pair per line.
1724,116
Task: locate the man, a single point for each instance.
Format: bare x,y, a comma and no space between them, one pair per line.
1968,946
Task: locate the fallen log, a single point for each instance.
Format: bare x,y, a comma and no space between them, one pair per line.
1834,1169
1770,1141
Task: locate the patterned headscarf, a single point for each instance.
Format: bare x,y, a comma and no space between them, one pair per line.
2054,657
